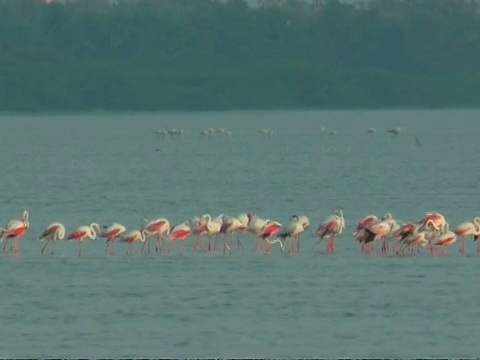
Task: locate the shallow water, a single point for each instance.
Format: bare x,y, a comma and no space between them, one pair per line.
78,169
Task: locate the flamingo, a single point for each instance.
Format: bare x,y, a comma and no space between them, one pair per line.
84,232
437,219
293,232
467,229
159,227
305,221
134,236
53,232
256,226
446,239
230,226
332,226
270,229
213,228
179,232
359,233
379,230
410,234
15,230
110,233
245,219
199,229
418,238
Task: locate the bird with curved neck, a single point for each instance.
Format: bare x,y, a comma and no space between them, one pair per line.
467,229
83,232
132,237
15,230
305,221
52,233
111,233
159,227
333,226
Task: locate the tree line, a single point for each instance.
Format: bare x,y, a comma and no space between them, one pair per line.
147,55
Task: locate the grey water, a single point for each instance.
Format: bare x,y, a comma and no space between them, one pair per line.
78,169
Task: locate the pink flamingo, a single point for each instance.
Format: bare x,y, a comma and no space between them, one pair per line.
437,219
359,232
405,231
15,230
198,226
230,226
467,229
256,226
110,233
159,227
416,239
293,232
134,236
84,232
332,227
179,232
271,228
53,232
445,240
245,219
379,230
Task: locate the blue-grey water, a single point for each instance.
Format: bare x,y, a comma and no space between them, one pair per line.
78,169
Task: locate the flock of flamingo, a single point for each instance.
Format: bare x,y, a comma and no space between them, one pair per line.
407,238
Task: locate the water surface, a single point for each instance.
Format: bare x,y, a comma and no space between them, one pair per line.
78,169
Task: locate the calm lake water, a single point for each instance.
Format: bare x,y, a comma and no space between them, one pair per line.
78,169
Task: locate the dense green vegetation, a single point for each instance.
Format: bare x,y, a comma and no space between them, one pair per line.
213,54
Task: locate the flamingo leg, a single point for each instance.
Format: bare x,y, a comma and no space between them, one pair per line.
267,247
298,243
462,246
43,249
53,247
239,242
169,250
215,243
182,245
17,246
195,243
5,245
80,252
159,244
209,243
478,247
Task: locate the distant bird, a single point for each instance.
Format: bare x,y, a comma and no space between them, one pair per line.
331,227
371,131
15,230
159,227
52,233
270,229
160,134
110,233
332,132
394,131
180,233
445,240
293,232
83,232
132,237
468,229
